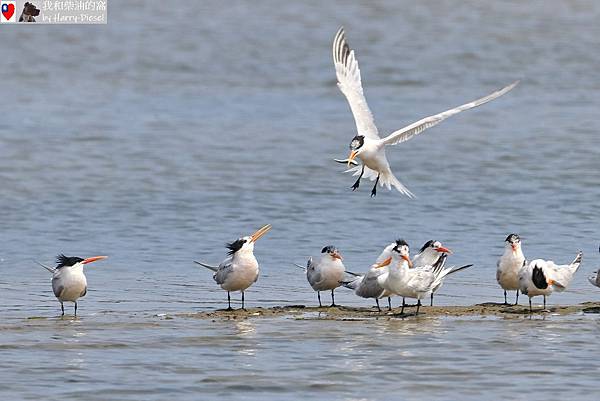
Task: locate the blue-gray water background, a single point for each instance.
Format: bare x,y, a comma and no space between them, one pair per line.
159,137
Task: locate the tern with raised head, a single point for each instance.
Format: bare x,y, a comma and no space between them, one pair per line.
240,269
543,277
509,265
68,280
367,145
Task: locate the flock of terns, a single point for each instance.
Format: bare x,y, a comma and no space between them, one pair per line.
394,272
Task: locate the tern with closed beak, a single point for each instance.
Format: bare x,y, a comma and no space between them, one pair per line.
68,280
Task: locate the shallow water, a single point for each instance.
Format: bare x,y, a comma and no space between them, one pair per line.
155,140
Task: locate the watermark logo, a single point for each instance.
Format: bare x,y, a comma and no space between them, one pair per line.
55,11
9,11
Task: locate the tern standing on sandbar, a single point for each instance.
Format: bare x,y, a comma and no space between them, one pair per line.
240,269
509,265
367,145
68,280
327,273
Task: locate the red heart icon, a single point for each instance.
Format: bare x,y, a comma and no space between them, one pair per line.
8,13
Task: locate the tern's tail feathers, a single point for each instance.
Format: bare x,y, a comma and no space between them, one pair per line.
352,284
459,269
209,267
576,262
51,270
386,179
300,266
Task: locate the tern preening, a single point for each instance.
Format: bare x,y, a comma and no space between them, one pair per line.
429,255
367,145
240,269
368,286
542,277
595,278
509,265
68,280
327,273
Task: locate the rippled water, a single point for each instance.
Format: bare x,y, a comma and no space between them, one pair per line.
159,137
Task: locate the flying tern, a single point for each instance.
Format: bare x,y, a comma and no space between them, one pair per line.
367,144
509,265
240,269
542,277
68,280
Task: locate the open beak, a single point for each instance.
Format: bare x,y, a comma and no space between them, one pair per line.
93,259
384,263
336,255
351,157
405,257
260,232
442,249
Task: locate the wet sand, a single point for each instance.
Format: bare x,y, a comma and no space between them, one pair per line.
351,313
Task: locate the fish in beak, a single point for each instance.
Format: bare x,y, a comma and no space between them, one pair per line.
260,232
353,154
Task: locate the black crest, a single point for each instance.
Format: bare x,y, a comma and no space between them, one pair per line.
512,238
400,242
427,245
538,278
235,245
328,249
62,260
357,142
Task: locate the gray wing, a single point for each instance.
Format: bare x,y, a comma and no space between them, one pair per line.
369,286
312,275
225,268
57,287
83,292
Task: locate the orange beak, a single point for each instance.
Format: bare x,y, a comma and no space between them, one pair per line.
514,247
353,154
93,259
384,263
444,250
260,232
410,264
336,255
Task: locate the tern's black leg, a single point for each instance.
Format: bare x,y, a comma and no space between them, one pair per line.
357,183
243,300
530,309
403,305
377,302
62,308
319,296
431,299
332,299
389,303
544,302
75,308
418,306
374,190
228,300
505,302
517,300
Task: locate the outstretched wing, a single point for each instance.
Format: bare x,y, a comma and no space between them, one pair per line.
408,132
348,76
